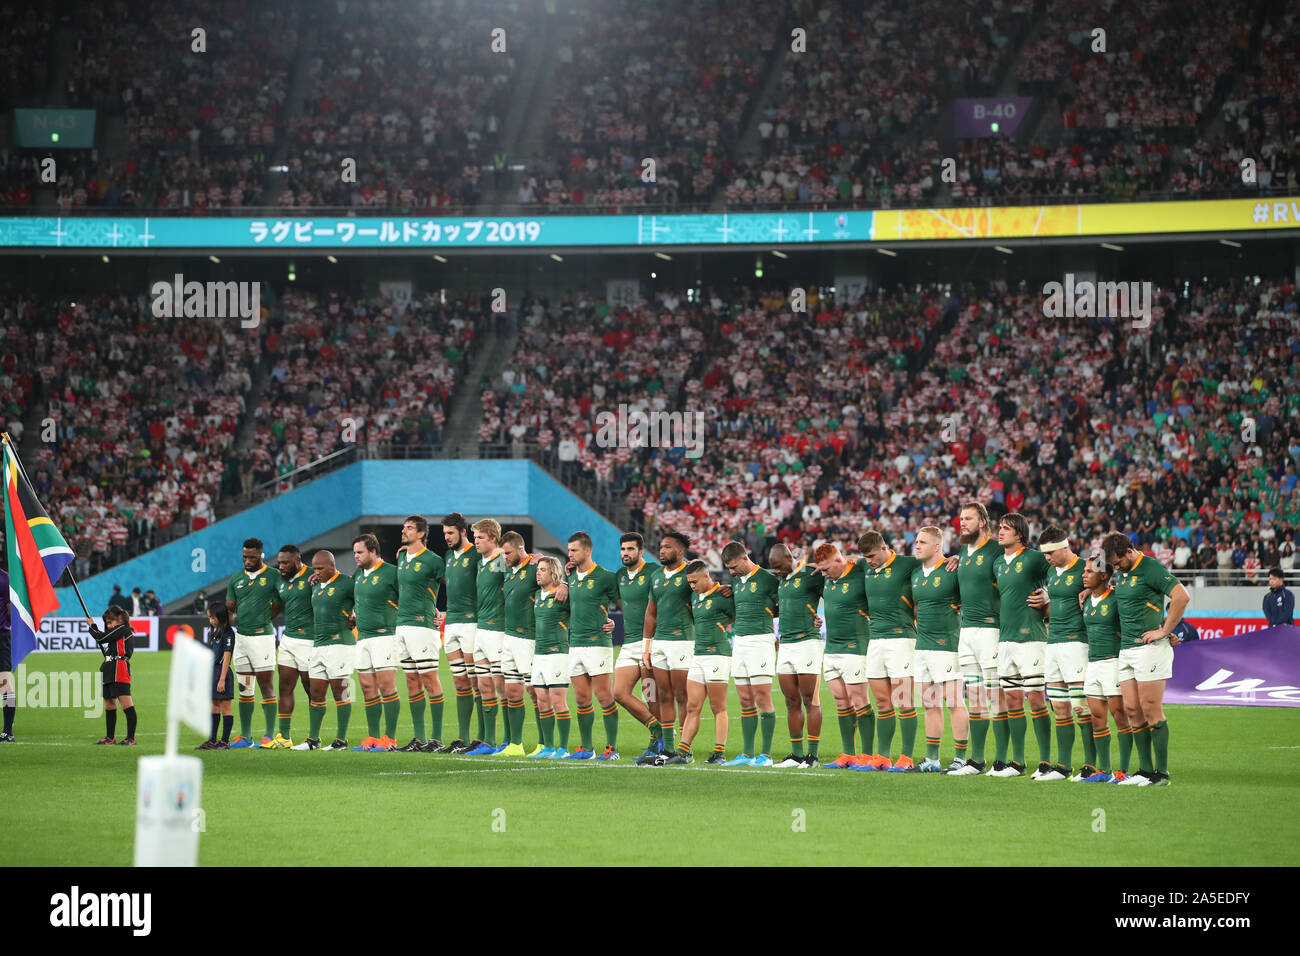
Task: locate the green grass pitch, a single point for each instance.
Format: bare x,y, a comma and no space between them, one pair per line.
1236,771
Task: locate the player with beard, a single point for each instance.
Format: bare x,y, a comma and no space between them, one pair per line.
977,637
634,595
460,628
420,573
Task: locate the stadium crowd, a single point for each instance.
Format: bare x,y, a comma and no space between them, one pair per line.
888,411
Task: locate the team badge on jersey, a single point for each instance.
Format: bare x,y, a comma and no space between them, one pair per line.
979,560
888,571
417,565
330,592
796,582
845,587
590,584
1019,565
753,586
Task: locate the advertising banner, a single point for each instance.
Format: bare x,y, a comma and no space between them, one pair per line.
1211,625
72,634
1251,670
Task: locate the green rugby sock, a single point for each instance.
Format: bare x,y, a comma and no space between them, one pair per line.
748,729
1016,726
1160,745
907,723
1001,737
1043,733
464,710
482,718
392,708
490,722
796,746
344,712
1125,748
1065,740
866,721
1084,723
767,729
666,732
270,710
1142,740
885,724
315,717
563,723
373,713
283,725
1101,739
848,723
931,748
610,715
521,716
979,734
656,729
537,716
435,718
546,728
417,703
586,720
245,716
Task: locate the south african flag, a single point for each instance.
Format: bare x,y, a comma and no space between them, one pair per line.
37,556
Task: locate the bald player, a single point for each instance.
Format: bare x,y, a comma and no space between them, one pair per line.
669,637
294,599
333,650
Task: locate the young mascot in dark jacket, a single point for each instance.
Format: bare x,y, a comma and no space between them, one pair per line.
116,642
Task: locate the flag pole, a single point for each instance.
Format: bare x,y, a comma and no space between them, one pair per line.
4,436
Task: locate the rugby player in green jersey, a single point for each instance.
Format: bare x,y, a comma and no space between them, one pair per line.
634,595
937,597
799,653
893,644
375,593
1101,682
550,677
1067,653
333,650
593,592
848,633
713,612
1146,650
294,599
520,642
250,599
1022,648
977,639
669,632
459,624
490,635
753,652
420,573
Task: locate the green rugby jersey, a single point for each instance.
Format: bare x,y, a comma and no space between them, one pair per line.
462,586
1101,623
797,595
1064,619
253,594
977,581
490,587
521,588
374,595
550,624
937,598
331,603
756,603
419,576
634,595
713,615
1018,578
591,598
845,598
295,595
889,598
1141,595
672,597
